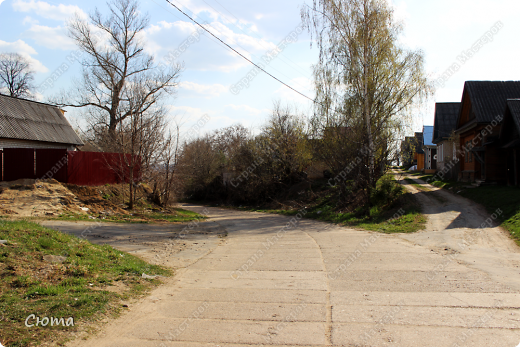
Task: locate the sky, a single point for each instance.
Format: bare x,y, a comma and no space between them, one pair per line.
443,29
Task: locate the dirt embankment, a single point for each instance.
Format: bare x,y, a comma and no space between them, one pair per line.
32,198
47,198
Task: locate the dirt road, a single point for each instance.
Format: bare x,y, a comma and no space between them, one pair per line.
317,284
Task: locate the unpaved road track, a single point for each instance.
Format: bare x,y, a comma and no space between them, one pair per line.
393,290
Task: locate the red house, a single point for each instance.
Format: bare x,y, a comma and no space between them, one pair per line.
483,105
510,140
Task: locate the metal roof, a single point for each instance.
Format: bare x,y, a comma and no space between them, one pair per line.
446,115
514,107
510,131
428,135
418,143
488,98
30,120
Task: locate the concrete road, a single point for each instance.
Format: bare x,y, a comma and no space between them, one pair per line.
269,283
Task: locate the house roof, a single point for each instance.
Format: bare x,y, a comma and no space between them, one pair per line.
30,120
488,98
428,135
418,144
446,115
514,107
511,125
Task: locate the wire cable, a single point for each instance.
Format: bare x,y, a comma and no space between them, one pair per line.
240,54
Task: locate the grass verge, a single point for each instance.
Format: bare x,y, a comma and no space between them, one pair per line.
33,281
504,198
381,217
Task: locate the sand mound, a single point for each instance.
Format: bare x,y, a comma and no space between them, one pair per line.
35,198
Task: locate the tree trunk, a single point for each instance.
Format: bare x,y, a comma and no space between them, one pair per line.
131,203
371,167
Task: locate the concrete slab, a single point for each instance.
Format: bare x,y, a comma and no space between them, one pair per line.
393,294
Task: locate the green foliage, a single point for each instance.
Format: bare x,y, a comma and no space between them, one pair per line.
76,288
387,191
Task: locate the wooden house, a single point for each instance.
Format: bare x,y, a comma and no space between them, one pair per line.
445,123
510,141
478,127
419,152
31,124
430,150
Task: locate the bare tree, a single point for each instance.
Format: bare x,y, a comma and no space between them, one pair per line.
115,60
165,180
16,75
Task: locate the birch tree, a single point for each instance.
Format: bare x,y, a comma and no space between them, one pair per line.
366,82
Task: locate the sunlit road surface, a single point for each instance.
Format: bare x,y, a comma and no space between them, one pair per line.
276,283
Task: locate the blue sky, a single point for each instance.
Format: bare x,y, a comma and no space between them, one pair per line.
442,29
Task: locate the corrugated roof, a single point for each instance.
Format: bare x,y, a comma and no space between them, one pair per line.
514,107
30,120
489,98
418,144
446,115
428,135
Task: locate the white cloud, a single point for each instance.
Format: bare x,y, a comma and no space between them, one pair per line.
302,84
186,114
59,12
204,90
1,1
25,50
165,37
53,38
29,20
246,109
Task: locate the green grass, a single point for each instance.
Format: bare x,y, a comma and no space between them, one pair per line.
174,216
500,197
416,185
436,181
379,219
77,288
382,221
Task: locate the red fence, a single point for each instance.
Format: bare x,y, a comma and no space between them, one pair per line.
81,168
94,169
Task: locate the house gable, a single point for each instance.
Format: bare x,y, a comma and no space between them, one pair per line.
466,113
484,101
445,123
510,132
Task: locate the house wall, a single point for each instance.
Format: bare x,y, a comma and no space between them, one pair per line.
496,165
420,162
513,166
446,159
469,170
467,112
494,158
14,143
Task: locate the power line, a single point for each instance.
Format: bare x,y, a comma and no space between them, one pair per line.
240,54
223,34
282,56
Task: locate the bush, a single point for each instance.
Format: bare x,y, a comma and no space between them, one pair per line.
387,191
